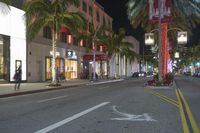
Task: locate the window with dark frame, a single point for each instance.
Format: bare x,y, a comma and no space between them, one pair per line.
90,11
84,7
104,21
47,32
98,17
63,37
109,23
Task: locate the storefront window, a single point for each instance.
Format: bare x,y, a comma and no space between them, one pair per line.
48,69
70,69
4,57
60,67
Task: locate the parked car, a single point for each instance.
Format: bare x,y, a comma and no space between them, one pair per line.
135,74
142,74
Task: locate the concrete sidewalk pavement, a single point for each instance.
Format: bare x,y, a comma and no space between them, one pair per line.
7,90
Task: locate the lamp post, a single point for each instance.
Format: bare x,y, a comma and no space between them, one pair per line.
149,40
159,43
94,61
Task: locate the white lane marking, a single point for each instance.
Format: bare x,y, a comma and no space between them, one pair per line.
132,117
103,82
104,87
45,100
60,123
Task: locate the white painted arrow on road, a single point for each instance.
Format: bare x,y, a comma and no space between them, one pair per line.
132,117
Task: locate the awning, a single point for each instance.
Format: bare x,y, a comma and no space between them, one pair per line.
101,57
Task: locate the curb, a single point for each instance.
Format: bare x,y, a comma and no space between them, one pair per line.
54,88
39,90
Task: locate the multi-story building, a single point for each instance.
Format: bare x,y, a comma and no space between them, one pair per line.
72,60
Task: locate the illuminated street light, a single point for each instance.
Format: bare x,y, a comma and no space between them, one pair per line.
149,39
182,37
175,62
176,55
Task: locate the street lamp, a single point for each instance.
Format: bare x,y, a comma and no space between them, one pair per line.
182,37
149,39
176,55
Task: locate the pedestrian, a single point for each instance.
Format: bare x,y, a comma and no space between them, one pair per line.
57,75
18,77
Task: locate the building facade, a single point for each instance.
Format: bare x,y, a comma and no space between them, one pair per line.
13,46
72,60
123,67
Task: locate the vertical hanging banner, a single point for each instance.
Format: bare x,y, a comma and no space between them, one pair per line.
165,10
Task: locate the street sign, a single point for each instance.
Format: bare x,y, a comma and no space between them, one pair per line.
70,54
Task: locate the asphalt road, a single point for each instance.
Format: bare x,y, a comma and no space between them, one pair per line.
190,88
120,107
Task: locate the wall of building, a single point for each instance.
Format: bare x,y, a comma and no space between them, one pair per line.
119,67
12,24
40,47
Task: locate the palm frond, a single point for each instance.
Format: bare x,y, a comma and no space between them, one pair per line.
4,6
182,11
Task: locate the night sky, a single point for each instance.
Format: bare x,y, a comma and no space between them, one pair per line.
117,10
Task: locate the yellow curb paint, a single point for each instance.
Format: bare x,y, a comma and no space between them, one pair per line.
163,97
183,119
169,101
192,120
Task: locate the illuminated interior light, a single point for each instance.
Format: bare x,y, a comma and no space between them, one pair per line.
81,43
101,48
69,39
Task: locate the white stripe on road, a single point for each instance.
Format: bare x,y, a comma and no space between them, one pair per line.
60,123
104,87
45,100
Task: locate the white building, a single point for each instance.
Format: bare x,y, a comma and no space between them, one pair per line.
122,67
13,45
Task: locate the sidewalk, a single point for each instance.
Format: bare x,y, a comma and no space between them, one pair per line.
7,90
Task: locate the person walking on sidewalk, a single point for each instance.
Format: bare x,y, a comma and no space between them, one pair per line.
18,77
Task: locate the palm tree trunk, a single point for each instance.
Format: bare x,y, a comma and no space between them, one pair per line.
54,50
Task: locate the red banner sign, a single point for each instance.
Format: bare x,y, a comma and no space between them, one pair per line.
165,8
98,57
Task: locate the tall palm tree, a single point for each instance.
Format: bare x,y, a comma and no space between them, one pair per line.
92,37
117,47
129,55
185,13
53,13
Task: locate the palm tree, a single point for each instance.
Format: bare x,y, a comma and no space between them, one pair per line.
92,37
185,13
129,55
53,13
117,47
